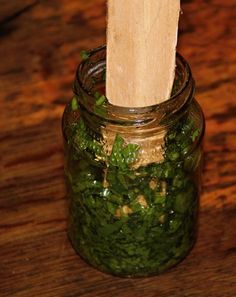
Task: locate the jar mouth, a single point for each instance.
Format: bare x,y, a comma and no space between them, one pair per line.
96,64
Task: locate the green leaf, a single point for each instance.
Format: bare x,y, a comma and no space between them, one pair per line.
84,54
109,228
195,134
74,103
100,101
123,155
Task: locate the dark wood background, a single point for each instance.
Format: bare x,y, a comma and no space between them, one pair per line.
40,42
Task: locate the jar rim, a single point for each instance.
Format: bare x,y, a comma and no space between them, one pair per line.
187,88
155,118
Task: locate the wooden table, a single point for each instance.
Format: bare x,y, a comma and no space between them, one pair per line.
40,42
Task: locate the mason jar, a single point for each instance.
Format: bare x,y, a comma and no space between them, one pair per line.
133,174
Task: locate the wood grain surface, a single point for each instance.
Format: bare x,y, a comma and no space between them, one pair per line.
40,43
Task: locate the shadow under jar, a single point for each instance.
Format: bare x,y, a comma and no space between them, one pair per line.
133,174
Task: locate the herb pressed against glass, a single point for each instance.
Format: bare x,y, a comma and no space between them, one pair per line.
133,174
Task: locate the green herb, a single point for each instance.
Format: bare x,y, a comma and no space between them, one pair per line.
123,155
100,101
195,134
74,103
126,221
84,54
100,98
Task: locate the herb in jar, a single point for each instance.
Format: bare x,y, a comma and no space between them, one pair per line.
127,221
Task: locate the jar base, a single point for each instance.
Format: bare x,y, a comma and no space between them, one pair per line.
165,268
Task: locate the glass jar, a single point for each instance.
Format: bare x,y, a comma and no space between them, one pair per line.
133,174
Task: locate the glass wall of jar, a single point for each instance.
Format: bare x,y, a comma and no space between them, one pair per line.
133,174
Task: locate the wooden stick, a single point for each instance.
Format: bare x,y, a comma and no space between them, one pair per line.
141,49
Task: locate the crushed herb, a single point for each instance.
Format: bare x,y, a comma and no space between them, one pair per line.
126,221
74,103
84,54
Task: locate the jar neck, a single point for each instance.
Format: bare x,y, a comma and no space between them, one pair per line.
89,79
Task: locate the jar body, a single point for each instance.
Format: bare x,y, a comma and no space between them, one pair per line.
126,217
